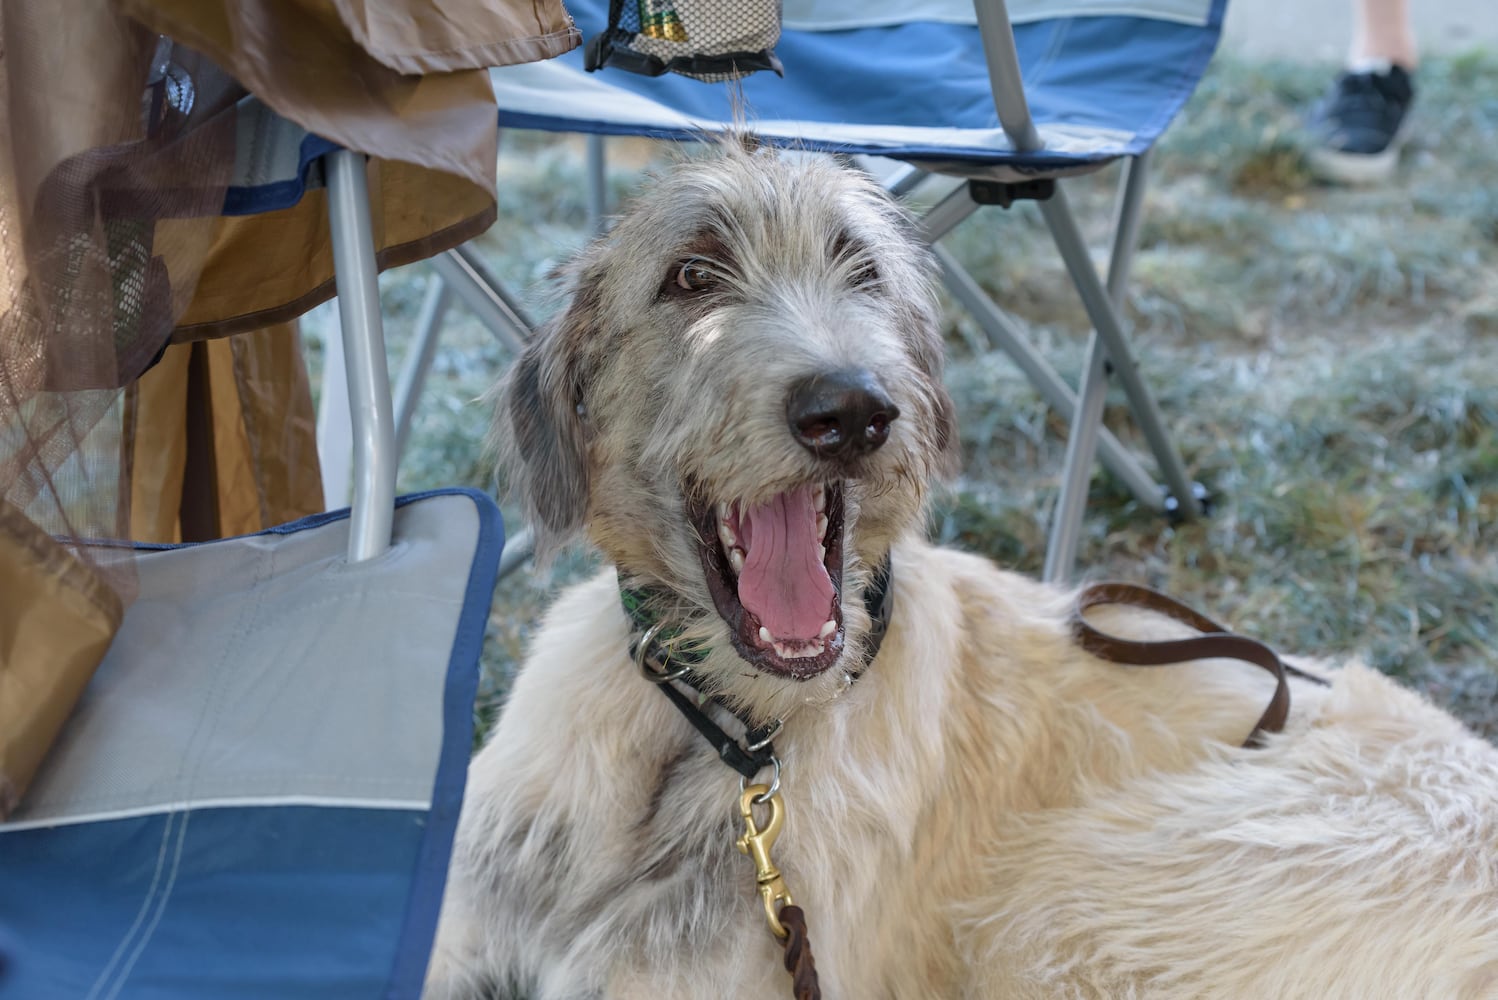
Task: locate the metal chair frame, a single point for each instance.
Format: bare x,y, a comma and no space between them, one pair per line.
380,431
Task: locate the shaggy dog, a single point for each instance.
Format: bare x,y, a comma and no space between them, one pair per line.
742,407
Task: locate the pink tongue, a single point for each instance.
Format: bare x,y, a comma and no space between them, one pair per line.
783,582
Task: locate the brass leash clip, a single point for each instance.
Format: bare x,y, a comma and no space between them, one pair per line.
756,843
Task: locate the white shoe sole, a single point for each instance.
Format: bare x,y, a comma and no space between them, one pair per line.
1358,168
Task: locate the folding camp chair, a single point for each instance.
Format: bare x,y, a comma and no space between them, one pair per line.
1009,106
257,794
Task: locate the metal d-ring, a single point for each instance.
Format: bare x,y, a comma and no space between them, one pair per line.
765,796
642,657
768,738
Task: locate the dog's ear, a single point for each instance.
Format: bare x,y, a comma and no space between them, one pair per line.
922,318
944,432
540,426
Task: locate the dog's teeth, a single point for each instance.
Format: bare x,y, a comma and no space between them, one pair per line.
736,560
726,536
828,627
822,552
797,650
821,500
765,636
821,526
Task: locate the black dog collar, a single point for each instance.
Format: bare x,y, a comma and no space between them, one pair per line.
667,664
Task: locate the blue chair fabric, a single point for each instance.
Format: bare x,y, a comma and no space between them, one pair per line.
1099,86
256,796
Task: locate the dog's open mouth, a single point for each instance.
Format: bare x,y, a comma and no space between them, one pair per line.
775,572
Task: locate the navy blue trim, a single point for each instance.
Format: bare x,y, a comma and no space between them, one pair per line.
310,521
7,953
279,194
430,877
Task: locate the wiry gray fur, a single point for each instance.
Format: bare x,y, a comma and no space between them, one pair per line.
990,813
622,403
628,398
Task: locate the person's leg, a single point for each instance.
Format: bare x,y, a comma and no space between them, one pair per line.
1360,125
1382,34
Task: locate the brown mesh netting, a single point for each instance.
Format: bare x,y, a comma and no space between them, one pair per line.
97,232
100,116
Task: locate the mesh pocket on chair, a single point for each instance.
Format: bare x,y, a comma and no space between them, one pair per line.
709,40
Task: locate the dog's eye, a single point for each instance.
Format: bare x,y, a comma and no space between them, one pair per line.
694,275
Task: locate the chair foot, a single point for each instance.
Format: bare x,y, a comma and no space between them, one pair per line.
1205,499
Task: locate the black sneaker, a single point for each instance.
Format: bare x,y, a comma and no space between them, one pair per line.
1361,125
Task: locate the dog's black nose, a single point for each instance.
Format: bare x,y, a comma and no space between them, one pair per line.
840,414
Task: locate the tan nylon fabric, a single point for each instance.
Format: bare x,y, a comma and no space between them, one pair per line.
261,270
439,36
264,469
302,58
56,622
343,70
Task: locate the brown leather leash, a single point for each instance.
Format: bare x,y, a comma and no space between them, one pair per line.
1215,642
798,960
788,922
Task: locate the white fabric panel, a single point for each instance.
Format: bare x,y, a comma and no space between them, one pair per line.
835,15
267,147
266,669
554,89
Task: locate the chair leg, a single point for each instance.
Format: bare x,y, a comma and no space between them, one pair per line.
335,431
905,181
461,270
947,214
1105,322
598,184
1087,422
518,549
501,314
1083,410
413,374
1127,213
1004,75
364,352
1005,335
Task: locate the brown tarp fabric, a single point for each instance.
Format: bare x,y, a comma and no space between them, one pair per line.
222,438
343,69
218,438
269,268
120,147
55,624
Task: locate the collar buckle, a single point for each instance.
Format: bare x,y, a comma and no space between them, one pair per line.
652,665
